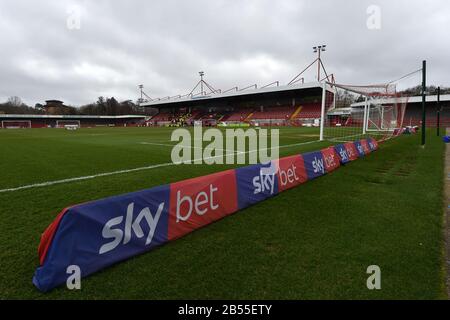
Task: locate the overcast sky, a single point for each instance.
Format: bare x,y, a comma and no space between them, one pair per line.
81,49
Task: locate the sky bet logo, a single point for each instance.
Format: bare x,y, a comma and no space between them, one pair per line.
343,155
203,202
351,151
330,161
360,149
198,202
131,227
318,166
315,165
291,172
263,183
256,183
289,175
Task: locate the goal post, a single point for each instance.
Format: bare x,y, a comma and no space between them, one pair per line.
375,111
68,123
323,111
16,124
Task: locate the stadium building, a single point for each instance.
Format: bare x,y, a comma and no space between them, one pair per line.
297,104
413,112
16,121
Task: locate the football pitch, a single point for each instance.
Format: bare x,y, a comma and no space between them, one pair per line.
312,242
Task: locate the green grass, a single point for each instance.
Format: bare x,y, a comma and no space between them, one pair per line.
312,242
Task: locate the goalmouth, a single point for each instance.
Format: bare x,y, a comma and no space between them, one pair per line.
362,111
68,124
16,124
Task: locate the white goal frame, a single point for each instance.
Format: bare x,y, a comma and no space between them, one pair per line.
375,116
60,123
370,121
15,121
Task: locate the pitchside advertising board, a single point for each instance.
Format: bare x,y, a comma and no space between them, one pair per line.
100,233
291,172
352,152
254,185
197,202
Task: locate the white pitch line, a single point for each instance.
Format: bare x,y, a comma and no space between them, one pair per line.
105,174
50,183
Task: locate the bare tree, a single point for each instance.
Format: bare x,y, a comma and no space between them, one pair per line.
15,101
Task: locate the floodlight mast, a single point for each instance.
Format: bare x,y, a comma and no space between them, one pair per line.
202,83
141,87
141,99
201,73
319,50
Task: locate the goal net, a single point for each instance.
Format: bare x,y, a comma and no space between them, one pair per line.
14,124
68,124
364,111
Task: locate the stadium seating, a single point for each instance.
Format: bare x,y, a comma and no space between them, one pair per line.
238,115
196,114
163,116
304,111
274,113
38,123
309,111
413,116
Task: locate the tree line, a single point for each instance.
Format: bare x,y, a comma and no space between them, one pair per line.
104,106
417,90
347,97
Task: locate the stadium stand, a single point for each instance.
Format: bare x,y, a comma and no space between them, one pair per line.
273,113
413,115
309,111
238,115
51,121
163,116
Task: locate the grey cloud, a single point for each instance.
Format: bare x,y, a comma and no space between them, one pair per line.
163,44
